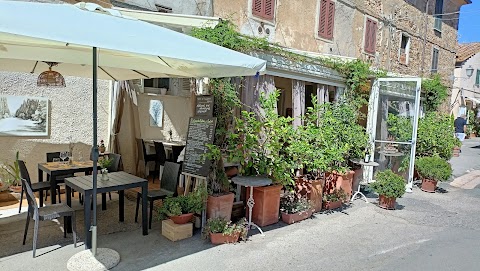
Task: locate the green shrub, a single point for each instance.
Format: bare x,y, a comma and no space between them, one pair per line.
225,227
433,168
388,184
194,202
435,136
292,203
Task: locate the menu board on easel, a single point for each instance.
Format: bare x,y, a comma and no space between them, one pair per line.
204,106
201,131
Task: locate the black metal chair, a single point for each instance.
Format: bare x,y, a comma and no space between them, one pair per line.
61,178
161,157
168,187
142,153
176,150
49,212
36,187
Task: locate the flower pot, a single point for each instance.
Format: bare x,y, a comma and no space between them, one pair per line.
456,151
429,185
386,203
104,174
220,206
292,218
182,219
329,205
219,238
473,135
267,204
15,188
312,189
344,181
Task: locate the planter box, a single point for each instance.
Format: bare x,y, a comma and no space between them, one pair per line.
429,185
386,203
329,205
220,206
175,232
6,196
267,205
219,238
313,190
344,181
292,218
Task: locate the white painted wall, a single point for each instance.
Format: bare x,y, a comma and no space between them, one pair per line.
70,116
468,84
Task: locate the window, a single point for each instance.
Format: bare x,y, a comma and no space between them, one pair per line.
163,9
264,9
404,49
477,79
326,19
370,36
435,60
438,18
157,83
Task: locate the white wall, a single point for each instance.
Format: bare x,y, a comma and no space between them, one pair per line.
191,7
70,116
468,84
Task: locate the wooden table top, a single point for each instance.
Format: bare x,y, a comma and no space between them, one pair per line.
120,180
58,166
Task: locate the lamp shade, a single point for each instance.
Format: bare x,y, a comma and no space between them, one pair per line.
50,78
469,71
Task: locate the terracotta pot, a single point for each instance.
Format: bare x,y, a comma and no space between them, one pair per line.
429,185
219,238
231,172
182,219
292,218
267,204
15,188
220,206
386,203
472,135
329,205
456,151
344,181
312,189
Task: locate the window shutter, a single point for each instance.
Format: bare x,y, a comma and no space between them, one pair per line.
257,7
322,26
370,36
435,61
330,19
269,9
477,80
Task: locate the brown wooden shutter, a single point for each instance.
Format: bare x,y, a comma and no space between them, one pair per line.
269,9
330,20
322,25
370,36
257,7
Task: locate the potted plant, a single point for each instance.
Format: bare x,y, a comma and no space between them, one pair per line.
334,199
432,170
295,207
105,163
12,178
389,186
223,231
181,209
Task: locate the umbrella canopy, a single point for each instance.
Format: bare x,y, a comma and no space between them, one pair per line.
34,33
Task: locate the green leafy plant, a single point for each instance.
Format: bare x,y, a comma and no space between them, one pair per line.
336,195
292,203
434,92
435,136
225,227
433,168
105,162
11,172
388,184
193,202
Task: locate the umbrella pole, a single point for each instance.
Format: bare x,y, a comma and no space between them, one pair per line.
95,154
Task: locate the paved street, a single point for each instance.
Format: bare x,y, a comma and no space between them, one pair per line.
428,232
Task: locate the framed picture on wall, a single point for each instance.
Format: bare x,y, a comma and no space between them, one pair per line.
23,116
156,113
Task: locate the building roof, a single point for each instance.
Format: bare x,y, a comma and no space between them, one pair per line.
467,50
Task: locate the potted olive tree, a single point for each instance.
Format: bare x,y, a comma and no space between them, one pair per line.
295,207
389,186
223,231
432,170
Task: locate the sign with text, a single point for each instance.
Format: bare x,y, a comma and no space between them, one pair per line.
201,131
204,106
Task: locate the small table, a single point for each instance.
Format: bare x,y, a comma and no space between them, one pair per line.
118,181
54,169
363,164
251,181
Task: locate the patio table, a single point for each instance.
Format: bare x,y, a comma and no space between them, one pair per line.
117,181
54,169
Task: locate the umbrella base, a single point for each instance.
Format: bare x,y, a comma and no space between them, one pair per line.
85,261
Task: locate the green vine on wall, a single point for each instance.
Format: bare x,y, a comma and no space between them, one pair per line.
434,93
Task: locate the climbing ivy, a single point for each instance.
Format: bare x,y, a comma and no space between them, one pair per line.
434,93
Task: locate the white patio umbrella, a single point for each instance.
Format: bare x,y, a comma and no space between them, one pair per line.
123,48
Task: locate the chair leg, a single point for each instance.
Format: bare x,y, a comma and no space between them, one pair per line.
35,237
80,198
151,215
21,200
74,229
136,208
26,228
46,194
110,195
59,195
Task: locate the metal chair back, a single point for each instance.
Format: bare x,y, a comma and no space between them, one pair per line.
176,150
24,172
160,152
170,175
32,203
115,163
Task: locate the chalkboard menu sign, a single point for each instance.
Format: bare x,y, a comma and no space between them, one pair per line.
204,106
201,131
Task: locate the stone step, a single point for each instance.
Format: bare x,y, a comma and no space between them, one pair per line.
467,181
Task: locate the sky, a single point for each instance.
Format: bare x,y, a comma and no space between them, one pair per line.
469,27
